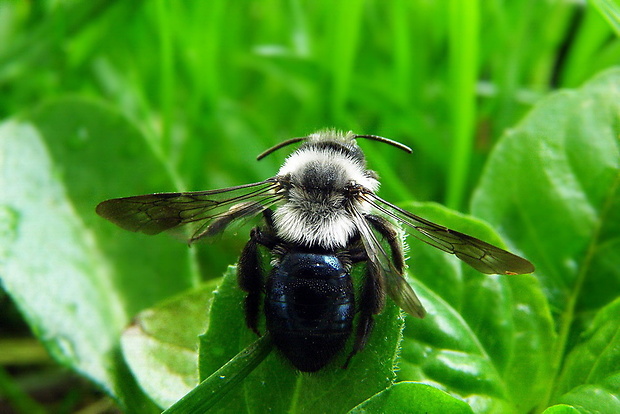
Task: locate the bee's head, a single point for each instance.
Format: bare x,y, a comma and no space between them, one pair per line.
326,163
316,181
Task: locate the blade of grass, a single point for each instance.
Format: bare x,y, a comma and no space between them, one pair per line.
166,74
591,34
40,38
16,397
346,23
210,42
404,71
464,28
610,10
222,381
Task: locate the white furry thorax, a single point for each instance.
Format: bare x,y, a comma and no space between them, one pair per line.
315,211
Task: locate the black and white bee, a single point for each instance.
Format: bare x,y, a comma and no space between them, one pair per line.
321,216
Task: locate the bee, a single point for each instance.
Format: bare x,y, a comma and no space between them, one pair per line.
320,217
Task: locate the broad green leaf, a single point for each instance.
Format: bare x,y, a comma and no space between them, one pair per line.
595,398
161,345
412,398
227,333
95,152
275,385
552,187
486,338
590,378
76,278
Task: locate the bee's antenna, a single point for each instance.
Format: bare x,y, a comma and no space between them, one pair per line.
387,141
278,146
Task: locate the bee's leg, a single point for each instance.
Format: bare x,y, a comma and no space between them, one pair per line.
268,216
267,235
357,255
250,279
372,300
393,238
250,272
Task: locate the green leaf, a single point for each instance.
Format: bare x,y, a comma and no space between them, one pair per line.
561,409
595,398
412,398
552,187
161,345
76,278
227,333
483,334
275,385
590,378
94,151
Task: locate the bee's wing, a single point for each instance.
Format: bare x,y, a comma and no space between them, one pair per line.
480,255
395,284
206,212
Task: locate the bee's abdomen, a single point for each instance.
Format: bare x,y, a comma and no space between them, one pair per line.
309,308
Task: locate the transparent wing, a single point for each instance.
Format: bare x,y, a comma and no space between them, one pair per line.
395,284
480,255
205,212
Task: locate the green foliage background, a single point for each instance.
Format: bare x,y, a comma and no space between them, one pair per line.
106,99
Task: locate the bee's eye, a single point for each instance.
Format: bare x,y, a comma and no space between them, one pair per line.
353,189
285,181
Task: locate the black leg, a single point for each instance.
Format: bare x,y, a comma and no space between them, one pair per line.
372,301
250,279
268,215
266,236
357,254
250,272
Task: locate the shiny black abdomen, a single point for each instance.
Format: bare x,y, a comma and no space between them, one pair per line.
309,308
